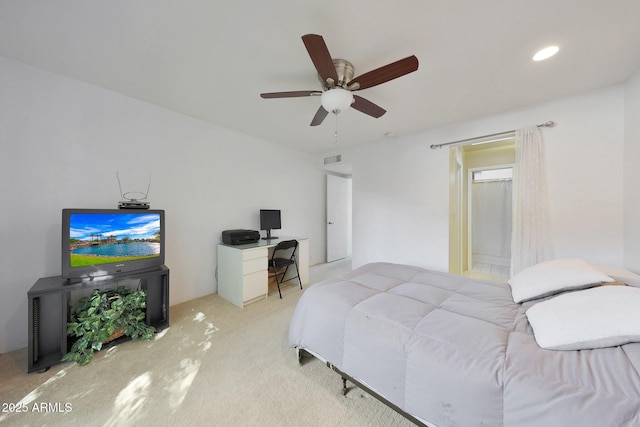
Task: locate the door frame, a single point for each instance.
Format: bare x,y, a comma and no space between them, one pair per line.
461,158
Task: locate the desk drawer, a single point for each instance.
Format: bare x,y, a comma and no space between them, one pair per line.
255,253
255,285
254,265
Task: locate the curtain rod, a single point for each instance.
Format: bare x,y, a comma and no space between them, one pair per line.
543,125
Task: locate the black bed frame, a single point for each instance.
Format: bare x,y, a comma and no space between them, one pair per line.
303,353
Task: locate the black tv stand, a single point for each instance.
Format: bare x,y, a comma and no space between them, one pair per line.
49,298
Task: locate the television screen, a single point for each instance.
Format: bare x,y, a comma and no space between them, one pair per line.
99,242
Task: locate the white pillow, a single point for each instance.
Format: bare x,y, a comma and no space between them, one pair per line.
604,316
552,277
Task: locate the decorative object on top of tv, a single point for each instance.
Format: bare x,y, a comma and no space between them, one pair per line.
133,199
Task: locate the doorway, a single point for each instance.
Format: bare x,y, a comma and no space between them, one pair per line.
480,209
338,217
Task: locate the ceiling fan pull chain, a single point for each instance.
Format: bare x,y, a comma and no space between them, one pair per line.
336,134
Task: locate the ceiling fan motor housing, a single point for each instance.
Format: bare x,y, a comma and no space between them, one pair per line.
345,71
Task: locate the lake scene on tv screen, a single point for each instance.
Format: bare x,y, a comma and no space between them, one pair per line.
102,238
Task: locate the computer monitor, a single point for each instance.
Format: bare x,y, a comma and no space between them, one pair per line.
269,220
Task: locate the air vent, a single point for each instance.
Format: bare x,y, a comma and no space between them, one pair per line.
333,159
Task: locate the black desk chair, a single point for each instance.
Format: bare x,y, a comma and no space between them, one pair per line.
284,256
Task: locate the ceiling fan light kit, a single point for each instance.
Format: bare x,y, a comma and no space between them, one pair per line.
338,84
336,100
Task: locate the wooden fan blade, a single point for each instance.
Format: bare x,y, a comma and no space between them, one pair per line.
320,56
292,94
367,107
319,117
384,74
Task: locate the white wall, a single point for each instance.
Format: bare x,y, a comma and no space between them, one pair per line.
401,186
632,174
63,142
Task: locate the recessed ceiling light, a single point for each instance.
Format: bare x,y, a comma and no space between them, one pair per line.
546,53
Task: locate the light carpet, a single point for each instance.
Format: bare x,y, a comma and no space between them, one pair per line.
216,365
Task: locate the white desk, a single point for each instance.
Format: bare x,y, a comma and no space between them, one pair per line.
243,275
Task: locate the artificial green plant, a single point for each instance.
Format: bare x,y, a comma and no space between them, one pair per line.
97,316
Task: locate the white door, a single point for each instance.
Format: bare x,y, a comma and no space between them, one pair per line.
338,217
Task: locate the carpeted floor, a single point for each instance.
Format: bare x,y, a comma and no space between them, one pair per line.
217,365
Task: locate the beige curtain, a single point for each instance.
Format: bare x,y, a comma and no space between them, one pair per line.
531,234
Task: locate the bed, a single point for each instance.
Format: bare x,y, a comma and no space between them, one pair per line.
446,350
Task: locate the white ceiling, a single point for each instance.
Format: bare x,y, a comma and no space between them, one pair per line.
212,59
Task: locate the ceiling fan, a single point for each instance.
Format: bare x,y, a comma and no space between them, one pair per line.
338,84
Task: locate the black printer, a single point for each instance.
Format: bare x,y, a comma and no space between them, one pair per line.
240,237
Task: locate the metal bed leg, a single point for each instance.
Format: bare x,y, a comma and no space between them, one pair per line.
300,353
357,383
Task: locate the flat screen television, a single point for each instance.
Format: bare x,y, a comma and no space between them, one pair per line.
102,242
269,220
